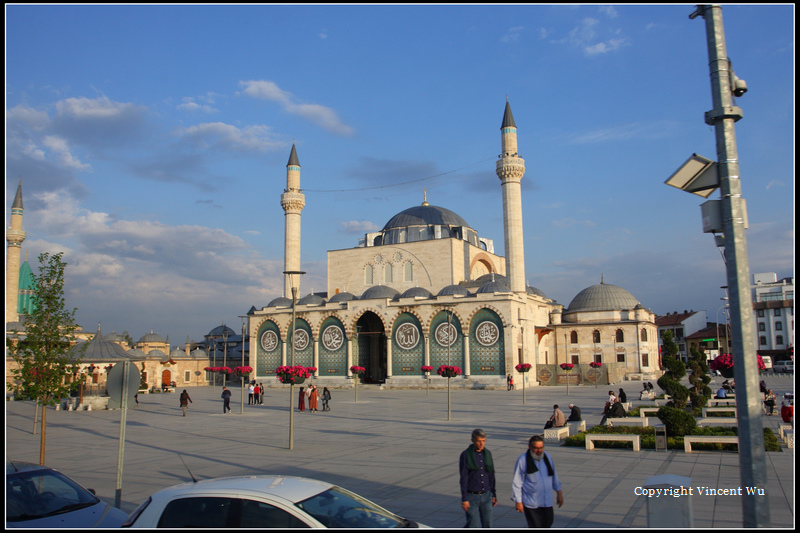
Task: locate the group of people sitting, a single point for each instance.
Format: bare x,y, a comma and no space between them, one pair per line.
558,420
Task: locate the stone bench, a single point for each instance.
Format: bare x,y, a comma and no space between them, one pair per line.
724,439
789,437
576,427
707,410
783,428
631,421
730,402
644,410
717,421
635,439
556,434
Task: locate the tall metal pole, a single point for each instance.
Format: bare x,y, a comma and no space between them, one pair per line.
752,456
225,354
291,363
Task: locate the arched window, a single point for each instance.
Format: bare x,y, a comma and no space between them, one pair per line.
368,275
387,273
596,336
408,272
573,337
620,336
644,335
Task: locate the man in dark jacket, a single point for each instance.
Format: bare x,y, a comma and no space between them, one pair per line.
476,470
185,401
226,401
616,411
574,414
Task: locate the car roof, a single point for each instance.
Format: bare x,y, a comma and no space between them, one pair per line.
12,467
291,488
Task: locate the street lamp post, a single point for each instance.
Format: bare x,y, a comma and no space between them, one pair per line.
244,321
224,354
214,387
294,288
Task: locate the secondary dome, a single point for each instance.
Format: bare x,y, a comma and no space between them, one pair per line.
342,297
602,297
379,292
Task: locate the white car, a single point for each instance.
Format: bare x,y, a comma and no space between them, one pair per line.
261,502
785,367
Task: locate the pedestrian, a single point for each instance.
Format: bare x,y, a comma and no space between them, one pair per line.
261,393
476,472
250,391
136,397
534,481
326,398
574,414
301,402
611,397
509,382
313,397
770,401
557,420
185,401
763,387
622,396
787,412
256,393
226,401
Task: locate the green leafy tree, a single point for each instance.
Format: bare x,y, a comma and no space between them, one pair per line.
670,382
700,392
45,357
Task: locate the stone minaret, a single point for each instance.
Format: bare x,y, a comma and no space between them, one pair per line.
14,236
292,201
510,169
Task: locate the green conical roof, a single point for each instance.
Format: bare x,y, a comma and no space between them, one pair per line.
26,288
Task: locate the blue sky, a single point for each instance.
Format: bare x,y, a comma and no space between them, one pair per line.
152,144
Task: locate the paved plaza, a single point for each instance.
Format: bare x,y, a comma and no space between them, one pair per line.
394,446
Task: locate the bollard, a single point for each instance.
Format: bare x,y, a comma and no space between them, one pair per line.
673,509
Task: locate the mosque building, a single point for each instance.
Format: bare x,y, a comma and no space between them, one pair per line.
428,290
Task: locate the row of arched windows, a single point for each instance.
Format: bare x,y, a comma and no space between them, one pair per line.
388,270
619,336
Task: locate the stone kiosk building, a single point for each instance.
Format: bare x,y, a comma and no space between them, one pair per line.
428,290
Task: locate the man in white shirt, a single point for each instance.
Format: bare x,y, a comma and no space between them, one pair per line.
535,479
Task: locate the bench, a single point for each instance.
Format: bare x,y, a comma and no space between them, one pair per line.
730,402
707,410
783,428
789,436
635,439
576,427
724,439
632,421
556,434
717,421
644,410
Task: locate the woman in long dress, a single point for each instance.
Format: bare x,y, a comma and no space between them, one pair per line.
312,399
301,403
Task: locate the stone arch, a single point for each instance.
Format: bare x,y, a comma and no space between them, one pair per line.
407,358
487,342
268,350
332,347
484,259
443,354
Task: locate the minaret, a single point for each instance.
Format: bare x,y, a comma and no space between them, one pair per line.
510,169
292,201
14,236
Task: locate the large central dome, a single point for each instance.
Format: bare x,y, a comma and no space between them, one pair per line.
425,215
602,297
426,222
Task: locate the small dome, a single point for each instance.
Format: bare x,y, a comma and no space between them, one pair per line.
342,297
280,301
535,292
493,276
379,292
99,350
311,299
602,297
199,354
493,287
219,330
136,353
152,337
177,353
115,337
417,292
453,290
157,354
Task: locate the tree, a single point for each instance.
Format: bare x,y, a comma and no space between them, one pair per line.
46,355
700,391
675,370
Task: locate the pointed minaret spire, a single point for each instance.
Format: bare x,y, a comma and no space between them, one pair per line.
510,169
14,237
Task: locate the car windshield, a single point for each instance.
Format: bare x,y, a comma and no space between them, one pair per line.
337,507
40,493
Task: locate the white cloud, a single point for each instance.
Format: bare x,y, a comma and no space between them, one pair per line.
605,47
228,137
98,108
513,34
319,115
359,227
59,147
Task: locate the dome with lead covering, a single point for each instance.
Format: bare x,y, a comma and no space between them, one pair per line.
423,223
152,337
425,215
342,297
379,292
453,290
311,299
417,292
602,297
280,301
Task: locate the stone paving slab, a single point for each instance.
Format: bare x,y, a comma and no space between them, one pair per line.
396,447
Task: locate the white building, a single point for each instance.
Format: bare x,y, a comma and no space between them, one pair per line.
773,307
681,325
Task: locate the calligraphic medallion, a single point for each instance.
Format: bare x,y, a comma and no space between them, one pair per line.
487,333
332,338
300,339
446,334
269,341
407,336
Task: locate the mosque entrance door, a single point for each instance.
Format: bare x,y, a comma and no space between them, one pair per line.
372,347
166,378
